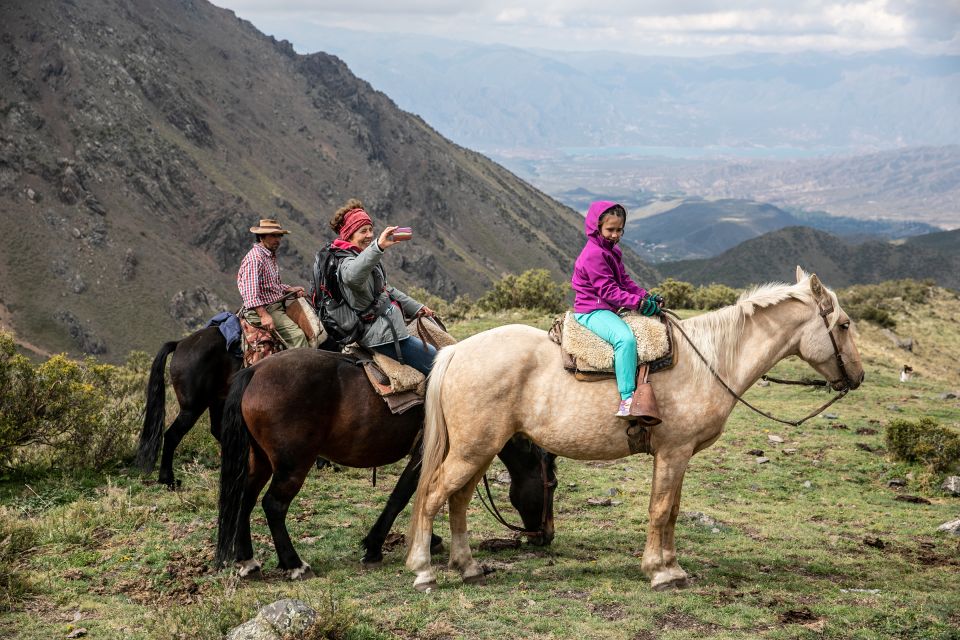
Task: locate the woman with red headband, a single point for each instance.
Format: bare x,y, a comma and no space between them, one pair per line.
363,284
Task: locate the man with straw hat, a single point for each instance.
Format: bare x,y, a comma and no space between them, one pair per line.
263,293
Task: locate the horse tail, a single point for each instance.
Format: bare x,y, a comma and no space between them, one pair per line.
154,417
435,441
234,453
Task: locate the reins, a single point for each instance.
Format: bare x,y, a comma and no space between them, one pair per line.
674,320
492,506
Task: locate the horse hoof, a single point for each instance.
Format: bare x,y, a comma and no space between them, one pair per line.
426,587
369,565
302,573
251,571
479,579
436,546
671,584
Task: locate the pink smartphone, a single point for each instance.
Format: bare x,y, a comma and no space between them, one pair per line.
402,233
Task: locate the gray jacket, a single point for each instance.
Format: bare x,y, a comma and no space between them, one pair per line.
362,279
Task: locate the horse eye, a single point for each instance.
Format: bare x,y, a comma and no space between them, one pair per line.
845,325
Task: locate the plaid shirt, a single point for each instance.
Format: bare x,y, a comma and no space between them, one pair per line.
259,278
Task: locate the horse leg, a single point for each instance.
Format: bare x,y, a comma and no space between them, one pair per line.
659,557
258,474
399,497
216,419
184,422
451,475
460,556
276,503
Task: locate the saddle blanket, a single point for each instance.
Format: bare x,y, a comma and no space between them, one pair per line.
593,353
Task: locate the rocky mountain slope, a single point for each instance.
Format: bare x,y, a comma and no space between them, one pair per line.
772,256
141,138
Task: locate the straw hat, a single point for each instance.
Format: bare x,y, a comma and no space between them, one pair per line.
268,227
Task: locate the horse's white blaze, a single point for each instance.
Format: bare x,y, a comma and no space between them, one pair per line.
248,567
509,380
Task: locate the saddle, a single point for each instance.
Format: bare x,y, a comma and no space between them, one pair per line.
590,358
401,386
259,343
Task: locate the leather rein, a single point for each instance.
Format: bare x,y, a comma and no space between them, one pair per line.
824,312
547,486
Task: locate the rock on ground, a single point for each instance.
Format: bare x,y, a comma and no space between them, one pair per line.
283,618
952,485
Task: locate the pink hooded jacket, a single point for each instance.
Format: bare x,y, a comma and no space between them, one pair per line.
600,280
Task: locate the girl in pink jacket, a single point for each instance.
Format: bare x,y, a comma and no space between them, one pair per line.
603,289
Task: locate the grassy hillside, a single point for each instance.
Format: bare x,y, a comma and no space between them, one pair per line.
813,543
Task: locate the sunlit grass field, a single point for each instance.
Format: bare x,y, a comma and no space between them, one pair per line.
811,544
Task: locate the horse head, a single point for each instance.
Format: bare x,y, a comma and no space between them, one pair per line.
826,339
533,481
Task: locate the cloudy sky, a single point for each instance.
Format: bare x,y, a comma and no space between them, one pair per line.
669,27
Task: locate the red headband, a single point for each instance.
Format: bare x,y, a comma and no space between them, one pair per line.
353,220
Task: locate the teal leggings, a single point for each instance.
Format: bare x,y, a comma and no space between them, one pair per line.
614,330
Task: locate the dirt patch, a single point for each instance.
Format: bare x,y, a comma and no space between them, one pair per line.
803,615
609,611
573,594
644,635
500,544
394,540
679,620
180,583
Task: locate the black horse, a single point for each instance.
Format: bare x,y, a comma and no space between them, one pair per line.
300,404
200,371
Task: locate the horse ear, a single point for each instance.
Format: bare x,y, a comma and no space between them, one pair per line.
801,274
816,286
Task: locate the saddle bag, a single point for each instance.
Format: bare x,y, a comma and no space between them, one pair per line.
258,343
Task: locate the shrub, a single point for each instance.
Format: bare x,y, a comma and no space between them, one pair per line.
876,302
68,413
676,293
714,296
459,309
533,289
925,442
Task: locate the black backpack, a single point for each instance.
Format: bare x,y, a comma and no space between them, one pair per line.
341,321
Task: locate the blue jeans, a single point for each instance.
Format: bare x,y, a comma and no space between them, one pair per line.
415,353
614,330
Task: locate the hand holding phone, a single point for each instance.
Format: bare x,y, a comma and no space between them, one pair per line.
402,233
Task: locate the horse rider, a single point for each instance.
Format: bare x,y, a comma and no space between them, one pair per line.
263,293
364,285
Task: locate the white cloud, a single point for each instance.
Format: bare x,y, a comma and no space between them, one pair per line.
653,26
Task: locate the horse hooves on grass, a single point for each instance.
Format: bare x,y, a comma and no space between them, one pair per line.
303,573
436,546
369,565
426,587
669,585
479,579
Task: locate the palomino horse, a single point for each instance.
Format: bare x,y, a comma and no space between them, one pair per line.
516,385
292,407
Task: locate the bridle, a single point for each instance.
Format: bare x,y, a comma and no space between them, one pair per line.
547,485
824,310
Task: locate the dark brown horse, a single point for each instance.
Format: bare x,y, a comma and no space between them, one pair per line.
293,407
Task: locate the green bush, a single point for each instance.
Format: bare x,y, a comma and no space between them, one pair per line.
533,289
67,413
876,302
459,309
714,296
926,442
676,293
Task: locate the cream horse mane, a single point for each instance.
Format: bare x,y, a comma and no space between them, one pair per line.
717,334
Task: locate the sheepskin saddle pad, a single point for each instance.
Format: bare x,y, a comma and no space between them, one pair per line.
593,353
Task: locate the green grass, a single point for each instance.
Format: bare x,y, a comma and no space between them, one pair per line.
786,555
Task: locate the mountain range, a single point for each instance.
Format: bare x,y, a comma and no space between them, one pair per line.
142,138
773,256
496,97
